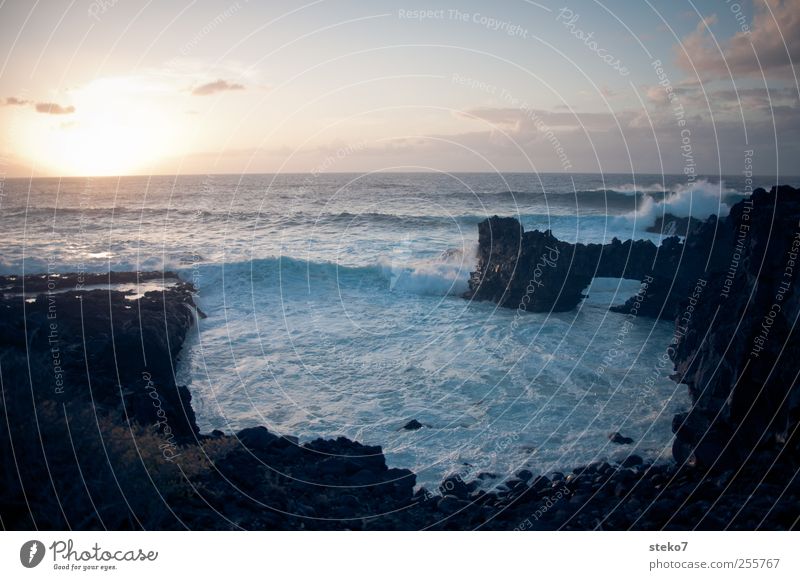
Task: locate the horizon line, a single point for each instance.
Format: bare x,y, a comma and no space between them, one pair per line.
420,172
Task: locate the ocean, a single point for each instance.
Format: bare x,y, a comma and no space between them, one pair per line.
334,306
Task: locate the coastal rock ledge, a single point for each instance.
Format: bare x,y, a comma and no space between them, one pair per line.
100,436
730,286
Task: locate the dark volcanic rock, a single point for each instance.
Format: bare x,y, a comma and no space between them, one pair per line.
738,348
257,438
104,346
632,461
42,283
534,271
669,225
729,286
412,425
619,439
525,475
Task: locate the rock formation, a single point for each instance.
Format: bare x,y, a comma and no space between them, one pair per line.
88,390
730,288
740,351
100,345
669,225
535,272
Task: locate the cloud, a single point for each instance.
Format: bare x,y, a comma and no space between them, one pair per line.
54,109
522,120
770,44
752,103
14,101
650,135
217,86
608,93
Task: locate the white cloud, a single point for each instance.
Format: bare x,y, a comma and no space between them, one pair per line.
770,45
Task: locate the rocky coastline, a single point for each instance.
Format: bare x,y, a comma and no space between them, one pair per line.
100,436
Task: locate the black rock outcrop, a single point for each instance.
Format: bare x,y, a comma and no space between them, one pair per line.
740,351
535,272
730,288
99,435
89,390
669,225
104,346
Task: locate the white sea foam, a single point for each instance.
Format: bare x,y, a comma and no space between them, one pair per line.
352,324
700,200
446,274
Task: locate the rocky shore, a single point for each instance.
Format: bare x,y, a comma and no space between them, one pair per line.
536,272
100,435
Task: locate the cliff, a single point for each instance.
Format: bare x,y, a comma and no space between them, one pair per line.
740,354
730,288
99,435
535,272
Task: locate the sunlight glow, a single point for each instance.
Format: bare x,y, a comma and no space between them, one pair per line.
119,127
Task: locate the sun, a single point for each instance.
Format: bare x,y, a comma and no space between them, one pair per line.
119,127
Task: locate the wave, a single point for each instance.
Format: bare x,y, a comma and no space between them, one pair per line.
490,204
700,200
593,198
401,272
634,189
401,220
51,211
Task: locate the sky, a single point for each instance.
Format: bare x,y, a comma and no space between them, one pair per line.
116,87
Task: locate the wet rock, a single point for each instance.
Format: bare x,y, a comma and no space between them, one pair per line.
619,439
412,425
514,483
450,504
525,475
536,272
256,438
726,344
128,346
670,225
632,461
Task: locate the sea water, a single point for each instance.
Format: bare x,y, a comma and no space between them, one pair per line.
334,306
